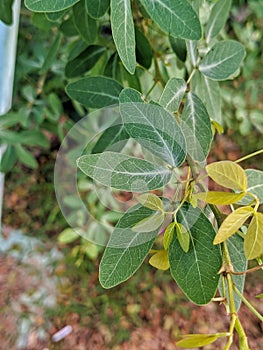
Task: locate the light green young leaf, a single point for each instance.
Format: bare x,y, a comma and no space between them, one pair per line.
69,235
173,94
196,127
168,235
228,174
86,26
84,62
203,260
126,249
95,92
123,32
124,172
156,130
97,8
253,243
235,245
217,19
160,260
219,198
176,18
232,223
151,201
49,5
149,224
191,341
209,92
222,60
183,237
254,186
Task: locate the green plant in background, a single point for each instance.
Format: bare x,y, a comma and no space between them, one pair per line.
162,64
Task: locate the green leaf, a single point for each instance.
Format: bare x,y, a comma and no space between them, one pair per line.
219,198
196,127
68,27
129,80
49,5
51,54
151,201
26,157
235,245
149,224
232,223
113,139
259,295
85,61
123,32
253,243
183,237
144,54
179,47
196,272
34,138
124,172
156,130
173,94
176,18
254,186
8,159
97,8
222,60
6,13
168,235
217,18
95,92
130,95
55,16
192,50
160,260
191,341
126,249
228,174
68,236
86,26
209,92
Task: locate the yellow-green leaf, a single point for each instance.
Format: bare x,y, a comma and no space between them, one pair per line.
183,237
151,201
160,260
228,174
191,341
232,223
253,243
216,127
168,235
219,198
259,295
149,224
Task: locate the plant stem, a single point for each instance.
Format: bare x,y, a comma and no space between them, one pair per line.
243,344
249,156
247,303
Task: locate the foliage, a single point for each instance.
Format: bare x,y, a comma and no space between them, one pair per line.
169,104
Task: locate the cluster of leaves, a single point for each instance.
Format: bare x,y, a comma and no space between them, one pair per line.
170,105
244,115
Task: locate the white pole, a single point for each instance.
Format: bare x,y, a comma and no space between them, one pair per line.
8,43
